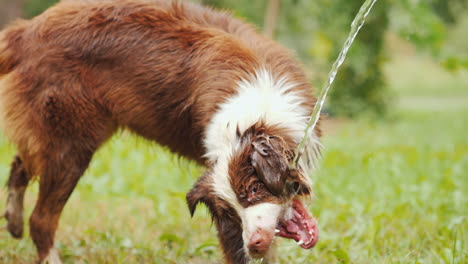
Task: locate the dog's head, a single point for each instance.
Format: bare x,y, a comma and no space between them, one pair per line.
254,195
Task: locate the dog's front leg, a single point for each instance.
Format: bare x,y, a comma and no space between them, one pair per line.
272,255
230,238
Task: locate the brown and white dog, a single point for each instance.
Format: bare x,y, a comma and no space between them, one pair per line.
200,82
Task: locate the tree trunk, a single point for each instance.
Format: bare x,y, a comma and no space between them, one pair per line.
271,18
9,10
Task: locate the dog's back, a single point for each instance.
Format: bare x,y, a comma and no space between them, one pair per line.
117,58
122,63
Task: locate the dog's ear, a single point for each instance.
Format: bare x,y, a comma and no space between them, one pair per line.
200,192
298,183
270,163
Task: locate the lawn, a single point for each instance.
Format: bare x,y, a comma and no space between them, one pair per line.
388,191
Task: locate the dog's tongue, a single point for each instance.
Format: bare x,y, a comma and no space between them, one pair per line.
300,227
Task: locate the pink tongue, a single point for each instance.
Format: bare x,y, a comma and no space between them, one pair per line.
292,227
301,227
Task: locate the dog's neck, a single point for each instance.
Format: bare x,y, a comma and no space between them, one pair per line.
260,99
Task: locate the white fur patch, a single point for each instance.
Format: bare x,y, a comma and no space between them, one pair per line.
14,205
52,258
11,201
262,216
262,98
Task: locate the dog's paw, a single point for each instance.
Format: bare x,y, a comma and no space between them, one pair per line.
15,225
52,258
14,214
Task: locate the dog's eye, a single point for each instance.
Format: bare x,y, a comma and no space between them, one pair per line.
296,187
254,189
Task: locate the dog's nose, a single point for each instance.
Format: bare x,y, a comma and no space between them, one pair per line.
259,243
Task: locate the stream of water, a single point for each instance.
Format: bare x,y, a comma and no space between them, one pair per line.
356,25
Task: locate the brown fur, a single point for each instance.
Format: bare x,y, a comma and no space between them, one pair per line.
249,188
226,219
17,183
75,74
261,173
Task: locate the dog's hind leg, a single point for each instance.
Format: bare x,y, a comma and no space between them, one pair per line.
17,184
62,169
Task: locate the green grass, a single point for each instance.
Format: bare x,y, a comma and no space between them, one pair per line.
387,192
413,75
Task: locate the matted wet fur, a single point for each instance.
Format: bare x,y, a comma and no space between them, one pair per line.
72,76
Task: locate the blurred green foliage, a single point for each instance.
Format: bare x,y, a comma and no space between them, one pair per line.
316,30
426,23
360,85
35,7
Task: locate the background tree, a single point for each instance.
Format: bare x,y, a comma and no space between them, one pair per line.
316,30
10,9
360,84
271,18
35,7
